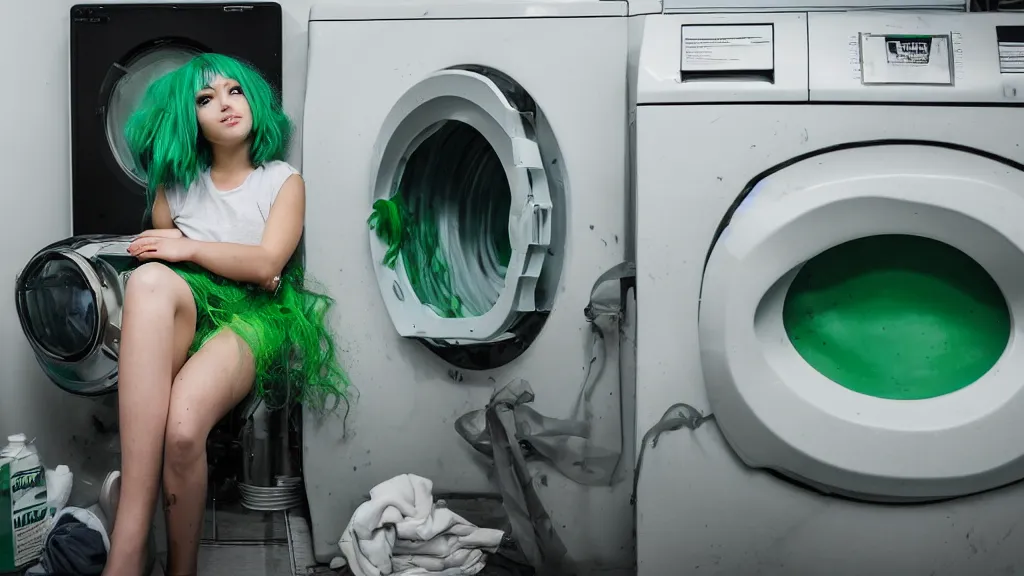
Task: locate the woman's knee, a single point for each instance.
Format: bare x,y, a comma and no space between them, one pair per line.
184,443
154,282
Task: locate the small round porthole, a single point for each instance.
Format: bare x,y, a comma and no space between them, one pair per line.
68,298
468,220
58,308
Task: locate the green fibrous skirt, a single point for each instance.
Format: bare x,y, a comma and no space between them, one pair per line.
286,331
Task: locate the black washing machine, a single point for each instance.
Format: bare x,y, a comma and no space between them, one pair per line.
116,51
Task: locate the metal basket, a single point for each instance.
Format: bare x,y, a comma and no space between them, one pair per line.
270,481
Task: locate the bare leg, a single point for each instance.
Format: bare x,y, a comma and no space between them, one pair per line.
210,384
156,331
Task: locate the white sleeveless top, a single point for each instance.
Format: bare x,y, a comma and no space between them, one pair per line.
205,213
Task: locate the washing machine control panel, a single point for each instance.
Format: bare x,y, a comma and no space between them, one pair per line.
935,57
727,50
909,58
756,57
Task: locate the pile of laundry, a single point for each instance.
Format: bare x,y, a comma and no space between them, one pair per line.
77,543
401,531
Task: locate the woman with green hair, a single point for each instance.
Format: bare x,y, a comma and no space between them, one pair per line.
218,309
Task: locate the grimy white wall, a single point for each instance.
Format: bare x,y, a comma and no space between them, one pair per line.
35,192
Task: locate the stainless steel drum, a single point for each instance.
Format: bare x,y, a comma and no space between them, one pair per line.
69,298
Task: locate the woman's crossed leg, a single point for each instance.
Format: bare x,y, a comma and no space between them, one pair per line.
164,425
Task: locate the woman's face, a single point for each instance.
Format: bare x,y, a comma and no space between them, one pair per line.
223,111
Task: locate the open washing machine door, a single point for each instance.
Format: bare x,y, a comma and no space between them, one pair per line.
69,298
476,117
860,323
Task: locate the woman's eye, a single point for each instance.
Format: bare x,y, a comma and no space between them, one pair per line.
202,100
236,90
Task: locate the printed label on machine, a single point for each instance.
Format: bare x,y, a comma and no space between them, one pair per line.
912,51
710,48
1011,57
1011,49
905,59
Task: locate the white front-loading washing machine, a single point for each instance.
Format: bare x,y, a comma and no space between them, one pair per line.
830,261
466,175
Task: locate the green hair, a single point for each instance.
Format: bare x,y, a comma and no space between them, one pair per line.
163,133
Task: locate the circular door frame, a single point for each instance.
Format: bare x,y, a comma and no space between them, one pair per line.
118,70
95,284
472,98
103,263
775,410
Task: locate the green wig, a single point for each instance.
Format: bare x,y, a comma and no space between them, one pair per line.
163,132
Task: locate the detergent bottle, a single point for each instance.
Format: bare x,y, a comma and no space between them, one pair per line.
24,509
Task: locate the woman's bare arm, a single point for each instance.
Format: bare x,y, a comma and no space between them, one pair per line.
260,264
163,224
161,211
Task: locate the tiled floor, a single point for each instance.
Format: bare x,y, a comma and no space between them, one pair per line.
240,542
236,559
233,522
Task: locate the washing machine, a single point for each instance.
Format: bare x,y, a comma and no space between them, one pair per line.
117,50
69,298
502,127
830,287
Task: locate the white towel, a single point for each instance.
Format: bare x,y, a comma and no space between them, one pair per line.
400,531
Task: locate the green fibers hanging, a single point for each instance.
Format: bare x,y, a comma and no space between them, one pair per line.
448,221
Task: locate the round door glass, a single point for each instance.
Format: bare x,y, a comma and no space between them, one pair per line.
897,317
140,72
60,309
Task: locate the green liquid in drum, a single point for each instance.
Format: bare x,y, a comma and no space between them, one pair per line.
897,317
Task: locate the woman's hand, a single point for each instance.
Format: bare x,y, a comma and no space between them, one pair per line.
162,233
167,249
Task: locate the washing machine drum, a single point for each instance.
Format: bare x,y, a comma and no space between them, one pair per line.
69,299
860,323
463,126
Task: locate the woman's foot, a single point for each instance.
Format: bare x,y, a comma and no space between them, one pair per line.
110,497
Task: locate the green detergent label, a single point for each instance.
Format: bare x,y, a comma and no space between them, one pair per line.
24,517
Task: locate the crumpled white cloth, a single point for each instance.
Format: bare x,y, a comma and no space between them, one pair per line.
401,531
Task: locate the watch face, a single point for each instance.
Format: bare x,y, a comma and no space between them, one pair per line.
140,72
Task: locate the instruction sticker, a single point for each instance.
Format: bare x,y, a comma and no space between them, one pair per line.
1011,49
711,48
1011,57
906,59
